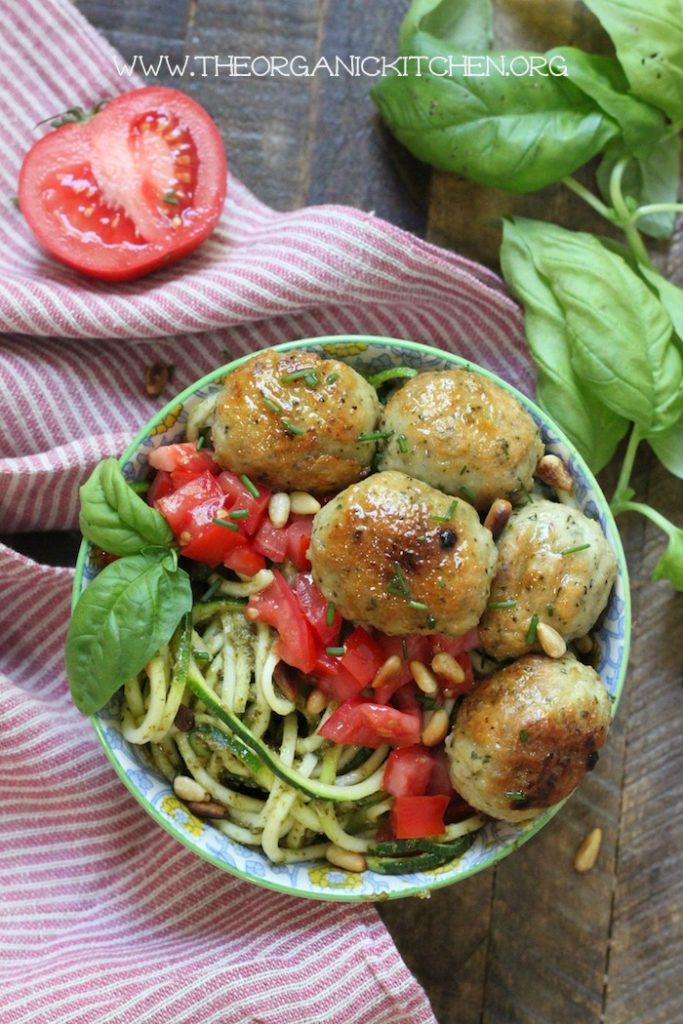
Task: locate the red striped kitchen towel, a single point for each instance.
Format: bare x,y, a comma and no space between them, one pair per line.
104,916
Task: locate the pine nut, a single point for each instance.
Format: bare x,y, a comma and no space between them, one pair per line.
206,809
279,508
424,678
445,665
186,788
552,471
497,516
316,702
345,859
387,671
303,504
588,851
436,728
550,640
584,644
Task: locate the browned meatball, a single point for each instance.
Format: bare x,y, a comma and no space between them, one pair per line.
397,554
463,433
553,562
296,434
525,737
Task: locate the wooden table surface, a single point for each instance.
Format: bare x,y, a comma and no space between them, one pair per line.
530,941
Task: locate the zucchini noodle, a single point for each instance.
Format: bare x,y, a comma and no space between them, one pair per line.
273,774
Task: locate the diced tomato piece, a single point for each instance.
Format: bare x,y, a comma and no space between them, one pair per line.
278,606
299,541
414,817
244,561
176,507
184,460
271,542
407,771
370,725
439,780
455,645
160,486
208,542
315,608
334,680
364,655
240,497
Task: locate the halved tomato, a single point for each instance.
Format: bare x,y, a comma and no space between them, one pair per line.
135,187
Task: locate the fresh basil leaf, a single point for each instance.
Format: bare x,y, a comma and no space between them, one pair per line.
467,23
602,78
115,518
670,565
651,178
505,131
668,448
121,619
593,428
670,296
648,38
621,336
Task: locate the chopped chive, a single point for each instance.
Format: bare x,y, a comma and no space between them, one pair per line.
201,441
292,428
404,648
510,603
331,378
376,435
211,591
463,470
331,610
239,513
251,487
468,494
394,373
533,627
201,655
225,523
336,650
419,605
402,442
449,514
309,376
571,551
171,199
312,379
441,583
517,796
550,608
270,404
399,580
139,486
523,735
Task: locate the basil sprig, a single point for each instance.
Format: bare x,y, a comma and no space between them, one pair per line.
115,518
134,605
122,618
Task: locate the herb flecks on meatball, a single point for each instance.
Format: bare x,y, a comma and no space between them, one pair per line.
524,738
296,422
463,433
395,553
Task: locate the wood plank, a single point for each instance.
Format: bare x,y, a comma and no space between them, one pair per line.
352,159
644,979
139,28
265,121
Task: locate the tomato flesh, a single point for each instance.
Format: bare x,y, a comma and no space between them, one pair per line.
134,188
415,817
240,497
408,770
277,605
176,507
364,656
315,608
370,725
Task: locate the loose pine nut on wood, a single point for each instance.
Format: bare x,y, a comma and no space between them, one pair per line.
345,859
588,851
424,678
279,508
303,504
387,671
436,728
446,665
552,642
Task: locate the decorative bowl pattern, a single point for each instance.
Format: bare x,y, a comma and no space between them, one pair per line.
320,880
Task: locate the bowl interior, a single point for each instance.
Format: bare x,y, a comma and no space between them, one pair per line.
319,879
